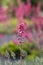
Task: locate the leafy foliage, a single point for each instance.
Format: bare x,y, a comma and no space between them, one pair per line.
13,48
34,2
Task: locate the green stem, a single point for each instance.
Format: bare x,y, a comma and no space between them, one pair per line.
21,55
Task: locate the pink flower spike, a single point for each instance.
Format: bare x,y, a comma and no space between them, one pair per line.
39,23
38,7
21,28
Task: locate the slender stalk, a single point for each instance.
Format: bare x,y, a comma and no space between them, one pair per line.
21,55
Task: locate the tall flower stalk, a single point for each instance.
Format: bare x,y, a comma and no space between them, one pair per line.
20,33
